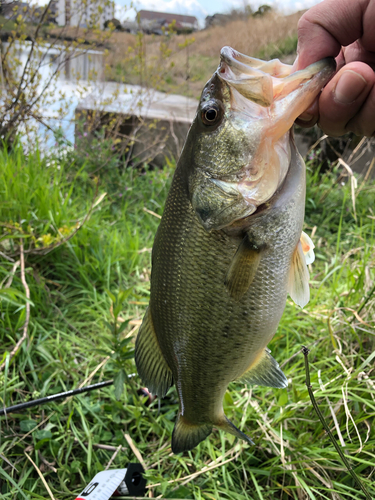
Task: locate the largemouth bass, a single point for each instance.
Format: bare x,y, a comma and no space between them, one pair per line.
229,246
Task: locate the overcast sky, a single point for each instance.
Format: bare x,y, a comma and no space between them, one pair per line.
202,8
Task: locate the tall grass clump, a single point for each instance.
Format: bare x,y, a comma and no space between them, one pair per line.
86,289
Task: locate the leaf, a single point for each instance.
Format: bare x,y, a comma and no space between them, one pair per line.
111,296
119,382
125,342
181,492
27,425
102,351
228,400
129,355
40,443
75,466
283,398
21,319
122,296
123,326
43,434
117,309
110,326
106,436
11,295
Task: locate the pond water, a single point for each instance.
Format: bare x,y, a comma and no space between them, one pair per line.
77,81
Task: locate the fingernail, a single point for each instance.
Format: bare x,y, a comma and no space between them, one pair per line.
349,87
305,117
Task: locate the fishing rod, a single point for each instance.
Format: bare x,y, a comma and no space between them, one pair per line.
73,392
54,397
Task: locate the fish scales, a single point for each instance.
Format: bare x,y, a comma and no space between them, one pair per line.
201,315
228,248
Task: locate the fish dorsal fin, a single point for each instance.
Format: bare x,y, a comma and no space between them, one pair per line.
151,365
243,268
298,283
265,371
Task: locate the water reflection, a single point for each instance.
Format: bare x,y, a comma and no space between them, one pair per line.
71,82
63,76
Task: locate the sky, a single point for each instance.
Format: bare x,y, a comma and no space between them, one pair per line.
203,8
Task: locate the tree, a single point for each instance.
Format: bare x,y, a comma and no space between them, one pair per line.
33,53
263,9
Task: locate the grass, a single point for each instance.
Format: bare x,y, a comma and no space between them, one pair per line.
75,288
285,47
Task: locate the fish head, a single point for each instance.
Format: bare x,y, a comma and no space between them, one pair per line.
240,140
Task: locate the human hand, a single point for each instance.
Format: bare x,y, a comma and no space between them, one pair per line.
343,29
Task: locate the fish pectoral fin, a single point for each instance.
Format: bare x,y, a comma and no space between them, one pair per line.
151,365
298,283
226,425
243,268
187,436
307,248
265,371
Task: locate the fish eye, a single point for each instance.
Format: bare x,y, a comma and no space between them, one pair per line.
211,113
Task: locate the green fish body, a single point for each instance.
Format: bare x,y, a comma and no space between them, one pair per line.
228,249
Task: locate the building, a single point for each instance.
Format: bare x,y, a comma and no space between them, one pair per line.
148,19
84,13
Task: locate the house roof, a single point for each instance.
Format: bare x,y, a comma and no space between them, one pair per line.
150,15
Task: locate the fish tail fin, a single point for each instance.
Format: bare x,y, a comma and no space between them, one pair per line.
187,436
226,425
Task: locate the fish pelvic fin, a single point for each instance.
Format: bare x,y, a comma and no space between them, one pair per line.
265,371
151,365
227,426
299,276
187,436
243,268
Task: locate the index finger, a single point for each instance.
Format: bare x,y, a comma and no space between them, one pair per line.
326,27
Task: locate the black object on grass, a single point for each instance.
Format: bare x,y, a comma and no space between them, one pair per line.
54,397
134,484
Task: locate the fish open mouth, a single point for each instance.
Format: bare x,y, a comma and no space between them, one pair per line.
264,82
270,97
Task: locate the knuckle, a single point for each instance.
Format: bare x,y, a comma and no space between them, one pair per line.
303,26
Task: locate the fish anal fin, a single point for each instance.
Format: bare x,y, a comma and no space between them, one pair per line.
151,365
243,268
226,425
187,436
265,371
298,283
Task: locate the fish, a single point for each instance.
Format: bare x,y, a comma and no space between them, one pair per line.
230,246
